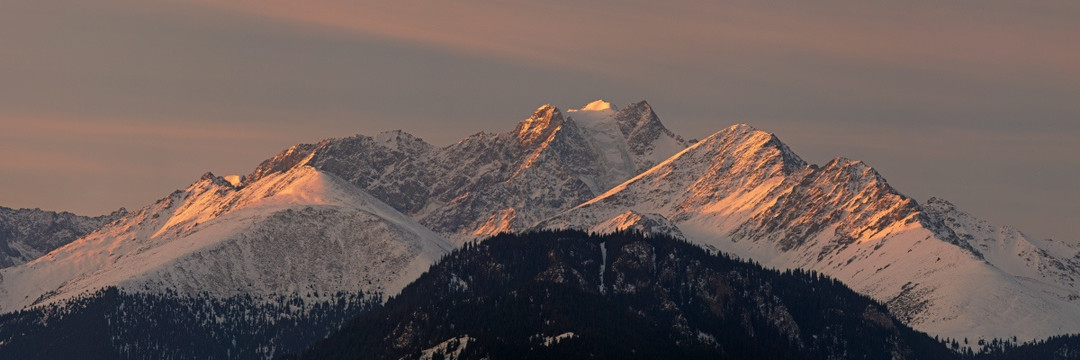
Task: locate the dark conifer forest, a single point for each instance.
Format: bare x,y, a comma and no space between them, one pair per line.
573,295
112,324
540,295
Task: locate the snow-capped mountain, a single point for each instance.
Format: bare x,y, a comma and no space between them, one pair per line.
371,213
744,192
1026,258
26,234
328,217
297,232
489,183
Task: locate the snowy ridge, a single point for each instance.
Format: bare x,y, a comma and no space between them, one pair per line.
644,223
1047,264
301,231
744,192
718,176
489,183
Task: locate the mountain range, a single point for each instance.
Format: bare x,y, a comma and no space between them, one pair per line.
371,214
941,270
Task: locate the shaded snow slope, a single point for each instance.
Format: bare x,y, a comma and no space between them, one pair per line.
26,234
301,231
1043,261
744,192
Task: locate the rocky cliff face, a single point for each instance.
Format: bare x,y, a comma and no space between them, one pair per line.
489,183
26,234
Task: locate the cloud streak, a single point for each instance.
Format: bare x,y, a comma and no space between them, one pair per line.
931,36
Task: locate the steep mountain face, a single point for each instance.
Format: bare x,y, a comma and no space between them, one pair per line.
490,183
300,232
630,140
744,192
720,170
570,295
649,141
26,234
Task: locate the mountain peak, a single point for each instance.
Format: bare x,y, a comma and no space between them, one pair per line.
402,141
598,105
646,136
857,170
393,135
216,180
639,118
841,161
744,143
939,203
640,104
538,127
235,179
741,127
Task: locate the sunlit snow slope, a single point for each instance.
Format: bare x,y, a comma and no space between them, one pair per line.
941,270
301,231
